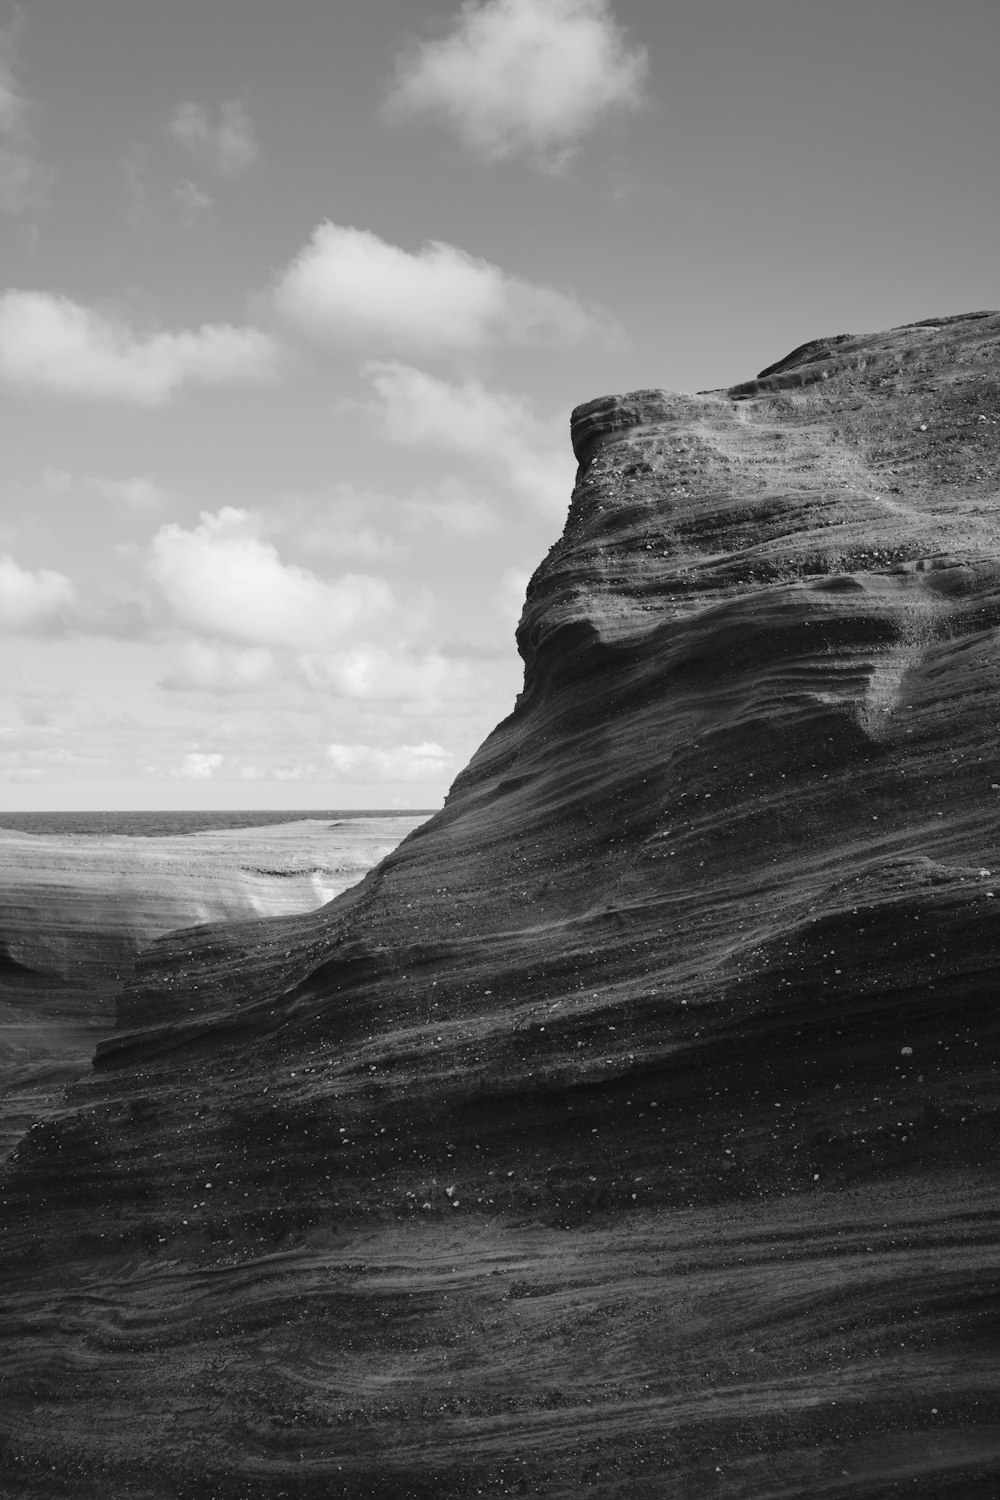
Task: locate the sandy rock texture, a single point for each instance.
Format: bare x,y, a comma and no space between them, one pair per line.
76,910
631,1129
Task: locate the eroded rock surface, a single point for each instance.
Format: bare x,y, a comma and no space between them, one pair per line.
76,910
631,1129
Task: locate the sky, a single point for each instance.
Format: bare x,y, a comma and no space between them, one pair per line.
296,301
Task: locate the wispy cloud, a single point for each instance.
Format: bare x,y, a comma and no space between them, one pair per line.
353,289
372,672
497,427
136,492
192,201
50,344
224,141
22,178
204,668
427,762
523,76
34,603
452,508
511,594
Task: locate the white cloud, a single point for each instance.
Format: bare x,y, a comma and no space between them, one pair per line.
56,481
334,537
511,593
354,289
199,765
39,603
225,143
364,763
301,771
48,343
21,773
22,180
523,76
12,102
201,667
464,417
372,672
497,427
221,580
339,523
137,492
452,510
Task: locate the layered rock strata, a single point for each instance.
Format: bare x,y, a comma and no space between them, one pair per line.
631,1129
76,909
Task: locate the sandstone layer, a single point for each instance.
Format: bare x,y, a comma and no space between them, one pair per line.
75,910
631,1129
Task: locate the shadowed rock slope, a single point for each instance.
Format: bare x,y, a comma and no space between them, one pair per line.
75,909
631,1129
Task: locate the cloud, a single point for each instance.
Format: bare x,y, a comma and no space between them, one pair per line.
137,493
50,344
192,201
496,427
135,176
45,603
38,603
13,105
451,510
341,522
373,672
56,481
219,669
353,289
225,143
297,771
363,763
530,76
22,180
199,765
221,580
511,594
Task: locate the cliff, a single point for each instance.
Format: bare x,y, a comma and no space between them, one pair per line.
633,1124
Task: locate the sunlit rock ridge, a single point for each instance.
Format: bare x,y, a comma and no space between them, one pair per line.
631,1129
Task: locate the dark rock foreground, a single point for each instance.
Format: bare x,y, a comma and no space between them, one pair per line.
631,1130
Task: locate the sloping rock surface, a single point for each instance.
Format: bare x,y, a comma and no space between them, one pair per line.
631,1129
76,909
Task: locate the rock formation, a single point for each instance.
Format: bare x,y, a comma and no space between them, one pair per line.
76,909
631,1129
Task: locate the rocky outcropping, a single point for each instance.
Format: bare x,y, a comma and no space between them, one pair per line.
632,1127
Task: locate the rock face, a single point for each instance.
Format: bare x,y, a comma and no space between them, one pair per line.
75,910
631,1129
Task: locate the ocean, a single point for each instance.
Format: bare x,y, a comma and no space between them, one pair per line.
161,824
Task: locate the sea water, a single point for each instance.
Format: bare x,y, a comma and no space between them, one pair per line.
163,824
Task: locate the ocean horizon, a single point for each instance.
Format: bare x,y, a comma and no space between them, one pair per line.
160,823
